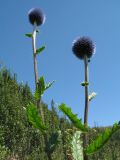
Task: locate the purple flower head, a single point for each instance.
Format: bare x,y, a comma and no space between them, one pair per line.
36,16
83,46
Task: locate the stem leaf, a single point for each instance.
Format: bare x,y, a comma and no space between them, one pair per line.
34,117
92,95
41,87
29,35
73,117
102,139
39,50
48,85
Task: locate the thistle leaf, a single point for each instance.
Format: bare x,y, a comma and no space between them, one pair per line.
73,117
92,95
102,139
49,85
40,88
76,146
54,140
29,35
84,84
34,117
39,50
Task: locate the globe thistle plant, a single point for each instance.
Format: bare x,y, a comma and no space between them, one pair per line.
36,16
83,48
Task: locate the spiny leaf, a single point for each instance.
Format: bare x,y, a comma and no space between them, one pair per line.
102,139
84,84
48,85
29,35
39,50
92,95
77,122
34,117
40,88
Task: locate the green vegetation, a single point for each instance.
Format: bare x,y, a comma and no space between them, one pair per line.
20,140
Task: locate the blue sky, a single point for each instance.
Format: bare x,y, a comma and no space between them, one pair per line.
66,20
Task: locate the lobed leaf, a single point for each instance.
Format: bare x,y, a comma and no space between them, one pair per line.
42,87
77,122
77,146
48,85
102,139
34,117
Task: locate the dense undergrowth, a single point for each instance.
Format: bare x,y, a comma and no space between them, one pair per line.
18,138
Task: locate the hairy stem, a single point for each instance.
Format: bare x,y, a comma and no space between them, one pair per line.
86,105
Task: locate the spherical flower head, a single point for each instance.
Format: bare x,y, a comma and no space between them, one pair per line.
36,16
83,46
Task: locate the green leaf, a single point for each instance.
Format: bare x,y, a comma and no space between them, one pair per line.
84,84
34,117
102,139
77,146
92,95
73,117
49,85
39,50
54,141
40,88
29,35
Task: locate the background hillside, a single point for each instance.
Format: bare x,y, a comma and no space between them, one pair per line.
19,140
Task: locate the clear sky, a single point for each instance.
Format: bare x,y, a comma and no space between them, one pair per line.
66,20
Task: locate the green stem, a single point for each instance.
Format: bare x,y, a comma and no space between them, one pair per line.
86,104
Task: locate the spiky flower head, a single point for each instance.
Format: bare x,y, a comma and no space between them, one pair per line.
83,46
36,16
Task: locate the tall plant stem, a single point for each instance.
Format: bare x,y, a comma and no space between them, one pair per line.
35,69
86,104
39,107
34,55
